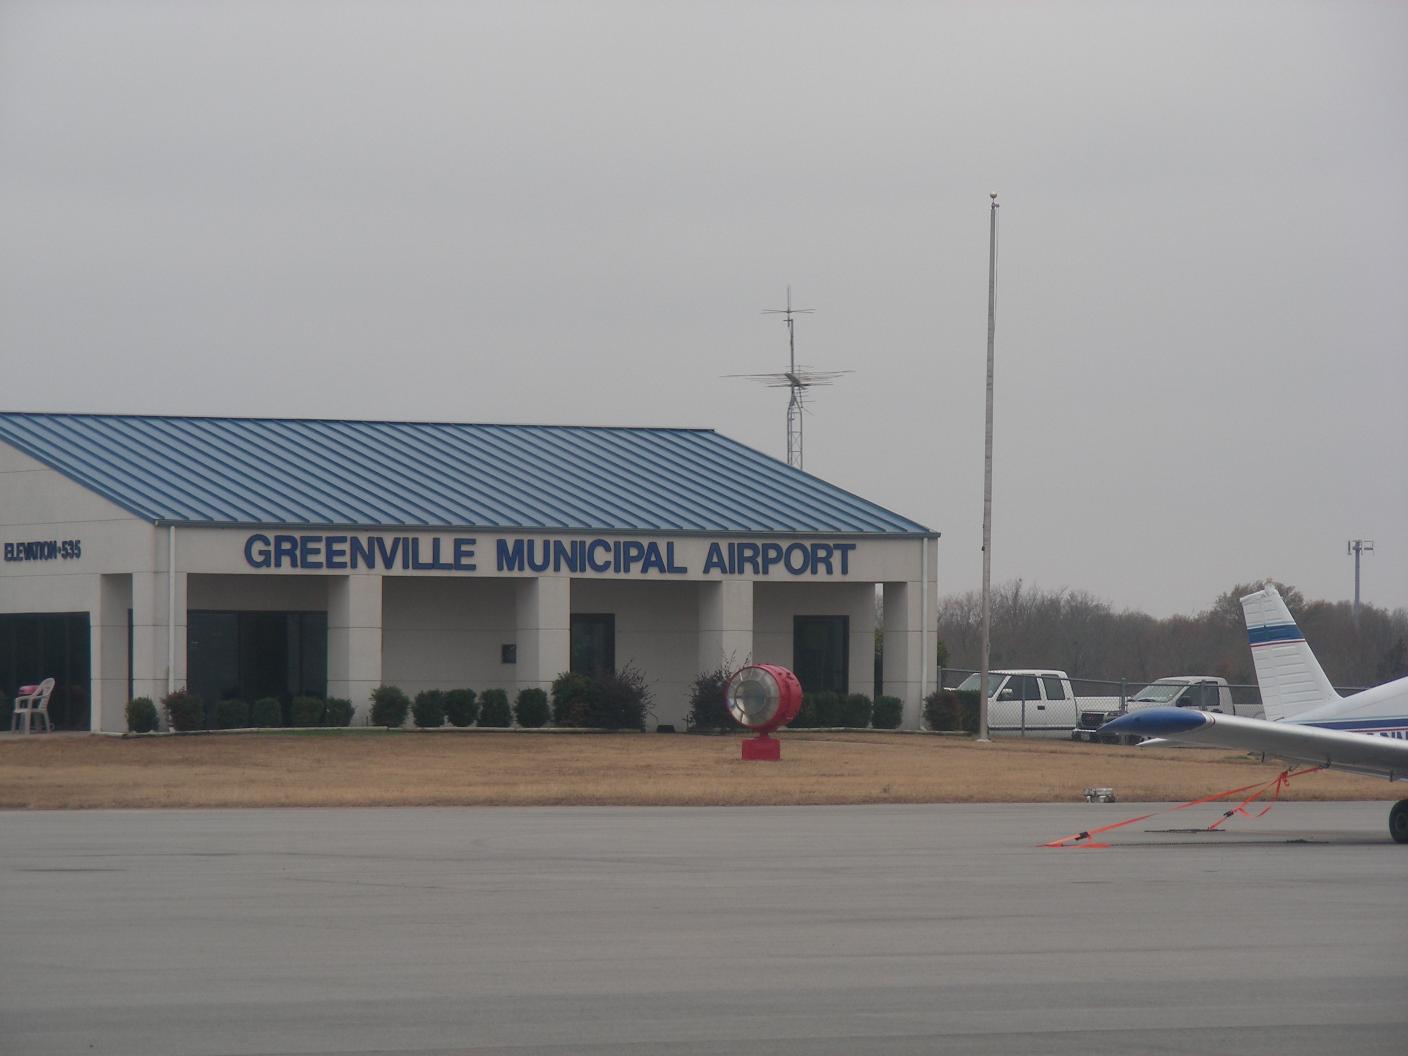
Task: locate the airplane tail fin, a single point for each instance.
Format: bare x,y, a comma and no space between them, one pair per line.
1290,677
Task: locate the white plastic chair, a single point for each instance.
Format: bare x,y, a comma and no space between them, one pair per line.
34,702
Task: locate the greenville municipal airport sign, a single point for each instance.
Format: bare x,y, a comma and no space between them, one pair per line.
558,556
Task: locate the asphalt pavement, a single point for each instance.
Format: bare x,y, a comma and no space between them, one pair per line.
818,930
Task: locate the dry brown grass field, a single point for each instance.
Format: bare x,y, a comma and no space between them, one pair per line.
379,768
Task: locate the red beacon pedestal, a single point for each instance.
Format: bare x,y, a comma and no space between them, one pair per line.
763,697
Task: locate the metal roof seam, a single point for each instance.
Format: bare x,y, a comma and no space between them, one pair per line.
374,485
501,496
237,467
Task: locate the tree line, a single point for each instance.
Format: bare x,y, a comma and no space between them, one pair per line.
1085,637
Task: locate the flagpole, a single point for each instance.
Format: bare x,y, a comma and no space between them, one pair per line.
987,479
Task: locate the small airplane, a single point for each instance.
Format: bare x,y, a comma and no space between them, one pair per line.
1306,720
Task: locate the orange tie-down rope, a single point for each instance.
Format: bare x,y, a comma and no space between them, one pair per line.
1276,784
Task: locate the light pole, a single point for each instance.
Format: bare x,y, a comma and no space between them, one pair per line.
987,477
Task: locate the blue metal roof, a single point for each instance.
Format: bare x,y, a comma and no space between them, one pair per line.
303,472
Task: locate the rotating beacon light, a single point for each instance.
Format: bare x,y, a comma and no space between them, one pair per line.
763,697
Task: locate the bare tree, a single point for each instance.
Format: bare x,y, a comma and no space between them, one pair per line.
1076,632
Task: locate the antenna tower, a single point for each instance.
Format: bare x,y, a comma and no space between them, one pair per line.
1356,548
796,378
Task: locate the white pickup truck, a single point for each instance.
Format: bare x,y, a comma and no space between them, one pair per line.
1033,700
1204,692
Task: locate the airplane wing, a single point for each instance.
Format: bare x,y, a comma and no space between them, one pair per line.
1361,753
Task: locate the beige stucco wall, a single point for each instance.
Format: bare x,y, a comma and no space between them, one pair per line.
443,633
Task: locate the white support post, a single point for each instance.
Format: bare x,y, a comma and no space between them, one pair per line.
108,656
354,639
544,625
861,619
904,651
148,635
725,624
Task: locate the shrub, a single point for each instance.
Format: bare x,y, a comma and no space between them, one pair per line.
571,697
307,711
428,712
818,710
493,709
141,715
7,711
231,714
339,712
460,707
266,713
951,709
531,708
708,703
853,710
184,710
887,713
620,700
389,707
613,700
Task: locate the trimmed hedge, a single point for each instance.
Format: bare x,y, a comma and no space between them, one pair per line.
854,711
307,711
339,712
571,699
952,709
494,710
428,712
887,713
266,713
460,707
531,708
818,710
389,707
231,714
184,711
141,715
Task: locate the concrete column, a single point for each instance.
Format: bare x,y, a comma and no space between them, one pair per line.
354,639
175,639
725,624
911,638
107,624
904,649
543,608
153,637
860,612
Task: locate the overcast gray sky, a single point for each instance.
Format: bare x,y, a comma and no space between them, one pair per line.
576,212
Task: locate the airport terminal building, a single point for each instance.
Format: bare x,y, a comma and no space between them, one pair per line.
276,557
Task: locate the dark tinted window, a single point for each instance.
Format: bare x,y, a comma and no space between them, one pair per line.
36,646
1024,687
249,655
593,643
